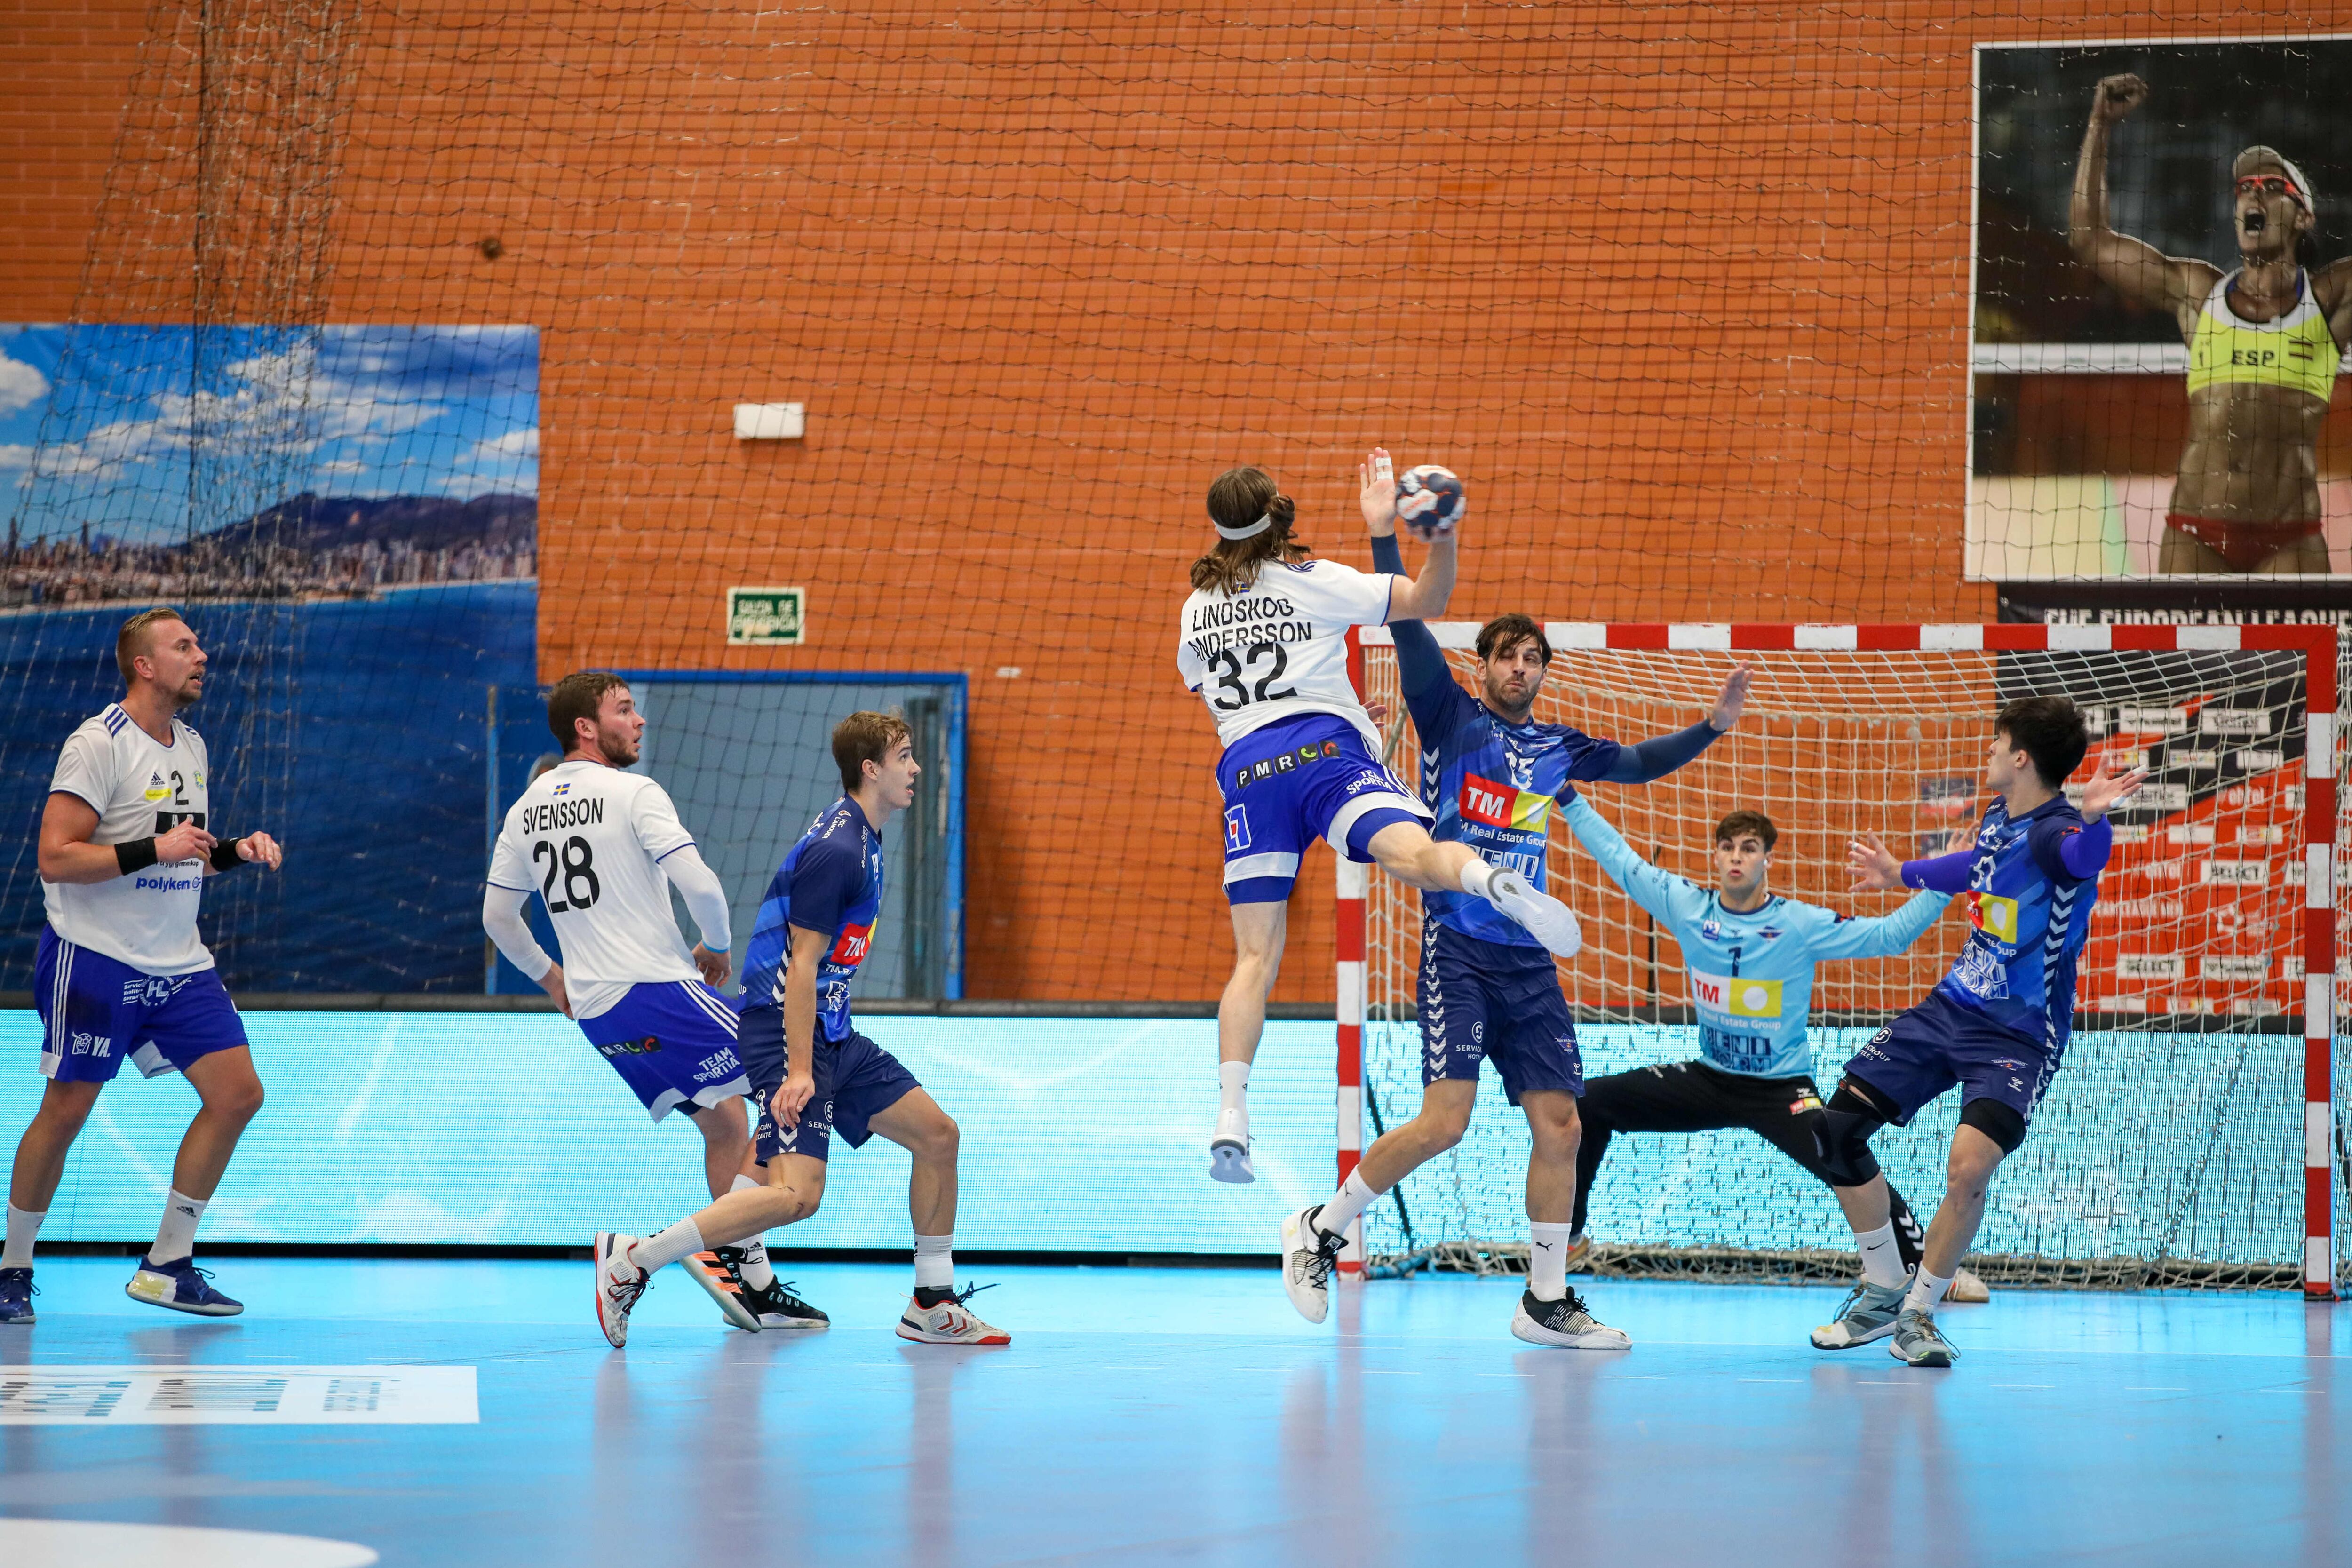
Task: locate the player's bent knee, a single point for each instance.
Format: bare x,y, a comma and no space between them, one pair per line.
2004,1124
1842,1138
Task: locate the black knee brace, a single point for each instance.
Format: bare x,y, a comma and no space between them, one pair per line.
2000,1122
1842,1138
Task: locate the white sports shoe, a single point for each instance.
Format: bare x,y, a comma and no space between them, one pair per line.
1309,1253
619,1283
947,1323
1547,919
1229,1149
1567,1323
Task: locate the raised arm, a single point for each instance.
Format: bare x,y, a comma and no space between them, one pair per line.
1878,936
2331,289
1662,893
1420,598
1431,693
1662,755
2132,268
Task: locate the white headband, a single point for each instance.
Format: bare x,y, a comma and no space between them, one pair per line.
1252,531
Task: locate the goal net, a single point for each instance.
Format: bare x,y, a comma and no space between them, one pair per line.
2175,1145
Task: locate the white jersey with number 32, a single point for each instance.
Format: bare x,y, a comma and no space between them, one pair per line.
1279,648
590,840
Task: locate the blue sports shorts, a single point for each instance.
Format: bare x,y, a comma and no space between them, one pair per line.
1481,1001
1930,1047
673,1042
1295,782
97,1010
857,1080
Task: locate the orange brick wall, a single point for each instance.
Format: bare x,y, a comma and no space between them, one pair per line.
1681,290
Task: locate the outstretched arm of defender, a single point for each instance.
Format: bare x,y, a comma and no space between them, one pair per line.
1880,936
1661,754
2133,268
1666,896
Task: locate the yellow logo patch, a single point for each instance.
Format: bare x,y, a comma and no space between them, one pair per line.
1993,915
1740,998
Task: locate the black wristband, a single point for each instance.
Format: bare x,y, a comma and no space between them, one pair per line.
135,855
224,856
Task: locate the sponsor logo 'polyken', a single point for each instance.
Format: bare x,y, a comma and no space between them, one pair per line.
1501,805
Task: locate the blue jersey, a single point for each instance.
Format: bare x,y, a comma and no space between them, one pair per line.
831,883
2029,917
1751,972
1492,787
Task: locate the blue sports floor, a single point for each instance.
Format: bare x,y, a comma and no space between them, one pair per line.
1188,1416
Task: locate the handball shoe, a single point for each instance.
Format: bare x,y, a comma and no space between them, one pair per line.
1565,1322
941,1320
180,1286
1967,1288
16,1293
1867,1313
1547,919
619,1283
1229,1149
1580,1255
1918,1342
720,1272
1308,1255
777,1308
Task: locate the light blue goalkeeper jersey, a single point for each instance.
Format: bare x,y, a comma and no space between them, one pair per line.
1752,973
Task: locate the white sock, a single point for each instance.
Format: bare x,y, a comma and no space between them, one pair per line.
1354,1196
176,1237
23,1225
663,1248
935,1262
1881,1260
756,1272
1477,878
1927,1291
1233,1087
1548,1260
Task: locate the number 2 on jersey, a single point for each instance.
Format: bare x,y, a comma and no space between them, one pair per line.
1229,670
577,864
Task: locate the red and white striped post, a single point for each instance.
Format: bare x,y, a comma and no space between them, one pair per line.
1354,882
2315,643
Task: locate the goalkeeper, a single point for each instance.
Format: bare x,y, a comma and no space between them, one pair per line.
1752,955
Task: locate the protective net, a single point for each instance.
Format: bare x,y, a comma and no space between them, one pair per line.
2170,1146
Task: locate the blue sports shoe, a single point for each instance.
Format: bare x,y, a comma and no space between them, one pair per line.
180,1286
16,1293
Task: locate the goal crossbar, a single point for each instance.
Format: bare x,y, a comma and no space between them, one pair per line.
2315,644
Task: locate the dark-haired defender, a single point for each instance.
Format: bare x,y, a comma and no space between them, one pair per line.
1263,639
1996,1026
2263,345
120,973
818,1077
1752,955
603,847
1486,991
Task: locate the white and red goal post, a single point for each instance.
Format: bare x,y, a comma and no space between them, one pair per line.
1878,675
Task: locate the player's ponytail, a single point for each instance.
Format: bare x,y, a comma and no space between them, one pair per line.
1254,522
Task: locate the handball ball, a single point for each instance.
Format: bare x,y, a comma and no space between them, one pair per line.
1430,500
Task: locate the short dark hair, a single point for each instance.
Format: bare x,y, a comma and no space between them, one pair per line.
131,641
2050,731
864,736
578,695
1504,634
1740,823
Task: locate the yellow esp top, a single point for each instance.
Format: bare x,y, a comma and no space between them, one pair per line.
2297,349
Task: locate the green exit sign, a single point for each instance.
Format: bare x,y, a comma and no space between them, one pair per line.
769,615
